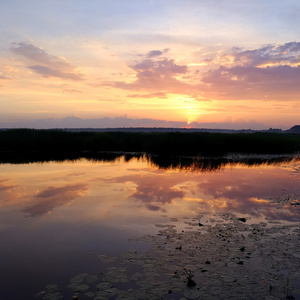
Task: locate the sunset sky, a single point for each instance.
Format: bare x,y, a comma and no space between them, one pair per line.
116,63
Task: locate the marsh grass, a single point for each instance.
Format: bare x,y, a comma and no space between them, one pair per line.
163,143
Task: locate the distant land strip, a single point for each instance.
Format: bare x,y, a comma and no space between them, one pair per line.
152,142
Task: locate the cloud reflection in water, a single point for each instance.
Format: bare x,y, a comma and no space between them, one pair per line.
155,190
235,188
51,197
137,185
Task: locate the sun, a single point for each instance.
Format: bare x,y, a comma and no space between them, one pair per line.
188,122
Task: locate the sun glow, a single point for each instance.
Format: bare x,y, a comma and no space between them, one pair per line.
193,114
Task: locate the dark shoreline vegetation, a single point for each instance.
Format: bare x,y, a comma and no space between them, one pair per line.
162,143
190,163
30,146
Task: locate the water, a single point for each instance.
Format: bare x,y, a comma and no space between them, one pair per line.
56,218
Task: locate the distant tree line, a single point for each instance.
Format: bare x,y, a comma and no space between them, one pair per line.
163,143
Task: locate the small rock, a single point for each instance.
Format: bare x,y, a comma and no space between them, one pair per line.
242,219
191,282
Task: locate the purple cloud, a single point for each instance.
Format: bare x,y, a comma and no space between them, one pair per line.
50,72
159,76
271,72
161,67
283,54
154,53
45,64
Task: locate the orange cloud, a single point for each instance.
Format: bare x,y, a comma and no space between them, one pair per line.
159,95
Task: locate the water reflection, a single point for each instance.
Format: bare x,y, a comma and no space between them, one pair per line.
238,190
46,200
5,186
201,164
149,183
154,189
62,210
